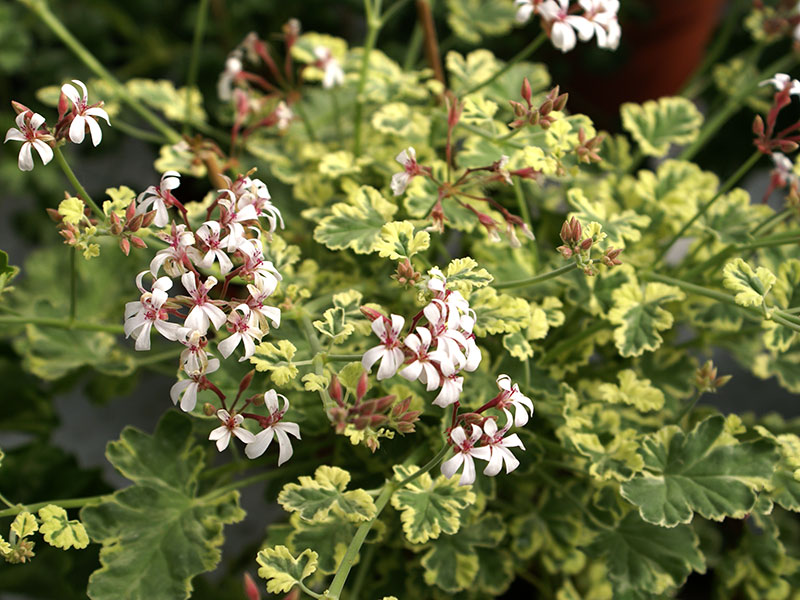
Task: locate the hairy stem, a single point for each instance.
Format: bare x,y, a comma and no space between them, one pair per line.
82,193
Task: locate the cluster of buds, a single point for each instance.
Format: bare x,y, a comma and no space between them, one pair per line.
371,414
767,139
579,248
531,115
405,274
779,19
706,380
586,149
435,353
75,117
565,26
474,435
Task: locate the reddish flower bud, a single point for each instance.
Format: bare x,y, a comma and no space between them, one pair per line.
148,218
370,313
546,107
53,214
19,107
125,246
138,242
361,387
335,390
130,211
136,223
246,381
250,588
787,146
586,244
526,90
560,102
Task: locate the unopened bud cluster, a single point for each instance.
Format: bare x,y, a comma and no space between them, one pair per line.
579,248
529,115
706,379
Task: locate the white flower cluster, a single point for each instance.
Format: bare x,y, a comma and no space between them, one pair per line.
220,241
34,134
599,20
437,352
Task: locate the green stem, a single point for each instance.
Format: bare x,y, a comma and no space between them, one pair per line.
59,323
689,406
338,120
73,284
140,134
389,488
770,221
374,24
305,590
242,483
157,357
731,181
342,357
414,47
56,26
778,239
363,570
536,278
66,503
301,112
521,55
392,11
191,77
5,501
77,184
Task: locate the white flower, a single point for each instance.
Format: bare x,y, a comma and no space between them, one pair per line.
332,70
527,8
511,396
465,451
499,447
148,312
186,389
452,385
781,80
422,367
284,116
276,428
602,14
194,359
179,240
262,313
400,181
388,352
233,66
204,310
209,233
230,425
83,115
28,133
157,197
243,329
563,25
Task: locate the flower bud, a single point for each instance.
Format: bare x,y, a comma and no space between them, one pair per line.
560,102
125,246
250,588
246,380
19,107
130,212
586,244
138,242
54,215
116,224
361,387
758,125
370,313
787,146
209,409
525,92
546,107
136,223
335,390
610,257
148,218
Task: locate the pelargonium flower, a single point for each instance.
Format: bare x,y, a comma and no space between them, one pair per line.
149,312
262,313
400,181
173,256
781,80
28,132
84,115
204,309
465,452
275,428
230,425
564,25
159,197
499,447
243,330
186,390
511,396
526,9
332,70
424,363
209,233
389,351
452,386
284,116
194,359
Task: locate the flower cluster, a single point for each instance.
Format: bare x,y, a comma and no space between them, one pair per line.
231,245
776,143
565,27
486,441
72,124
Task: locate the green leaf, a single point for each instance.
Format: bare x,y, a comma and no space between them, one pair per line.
463,274
639,316
398,240
658,123
785,366
59,531
475,68
751,287
162,95
784,487
334,325
158,533
452,563
179,157
71,210
517,345
24,524
355,224
429,507
648,558
121,197
701,472
786,293
633,391
282,570
313,499
618,225
276,360
471,20
7,273
498,313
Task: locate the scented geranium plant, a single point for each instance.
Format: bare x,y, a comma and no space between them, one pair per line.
464,335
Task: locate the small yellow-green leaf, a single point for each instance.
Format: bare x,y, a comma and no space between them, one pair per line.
5,547
24,524
618,225
313,499
517,344
334,325
282,570
355,224
498,313
59,531
658,123
179,157
464,275
751,287
430,507
277,360
472,19
633,391
315,383
121,197
71,210
397,240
